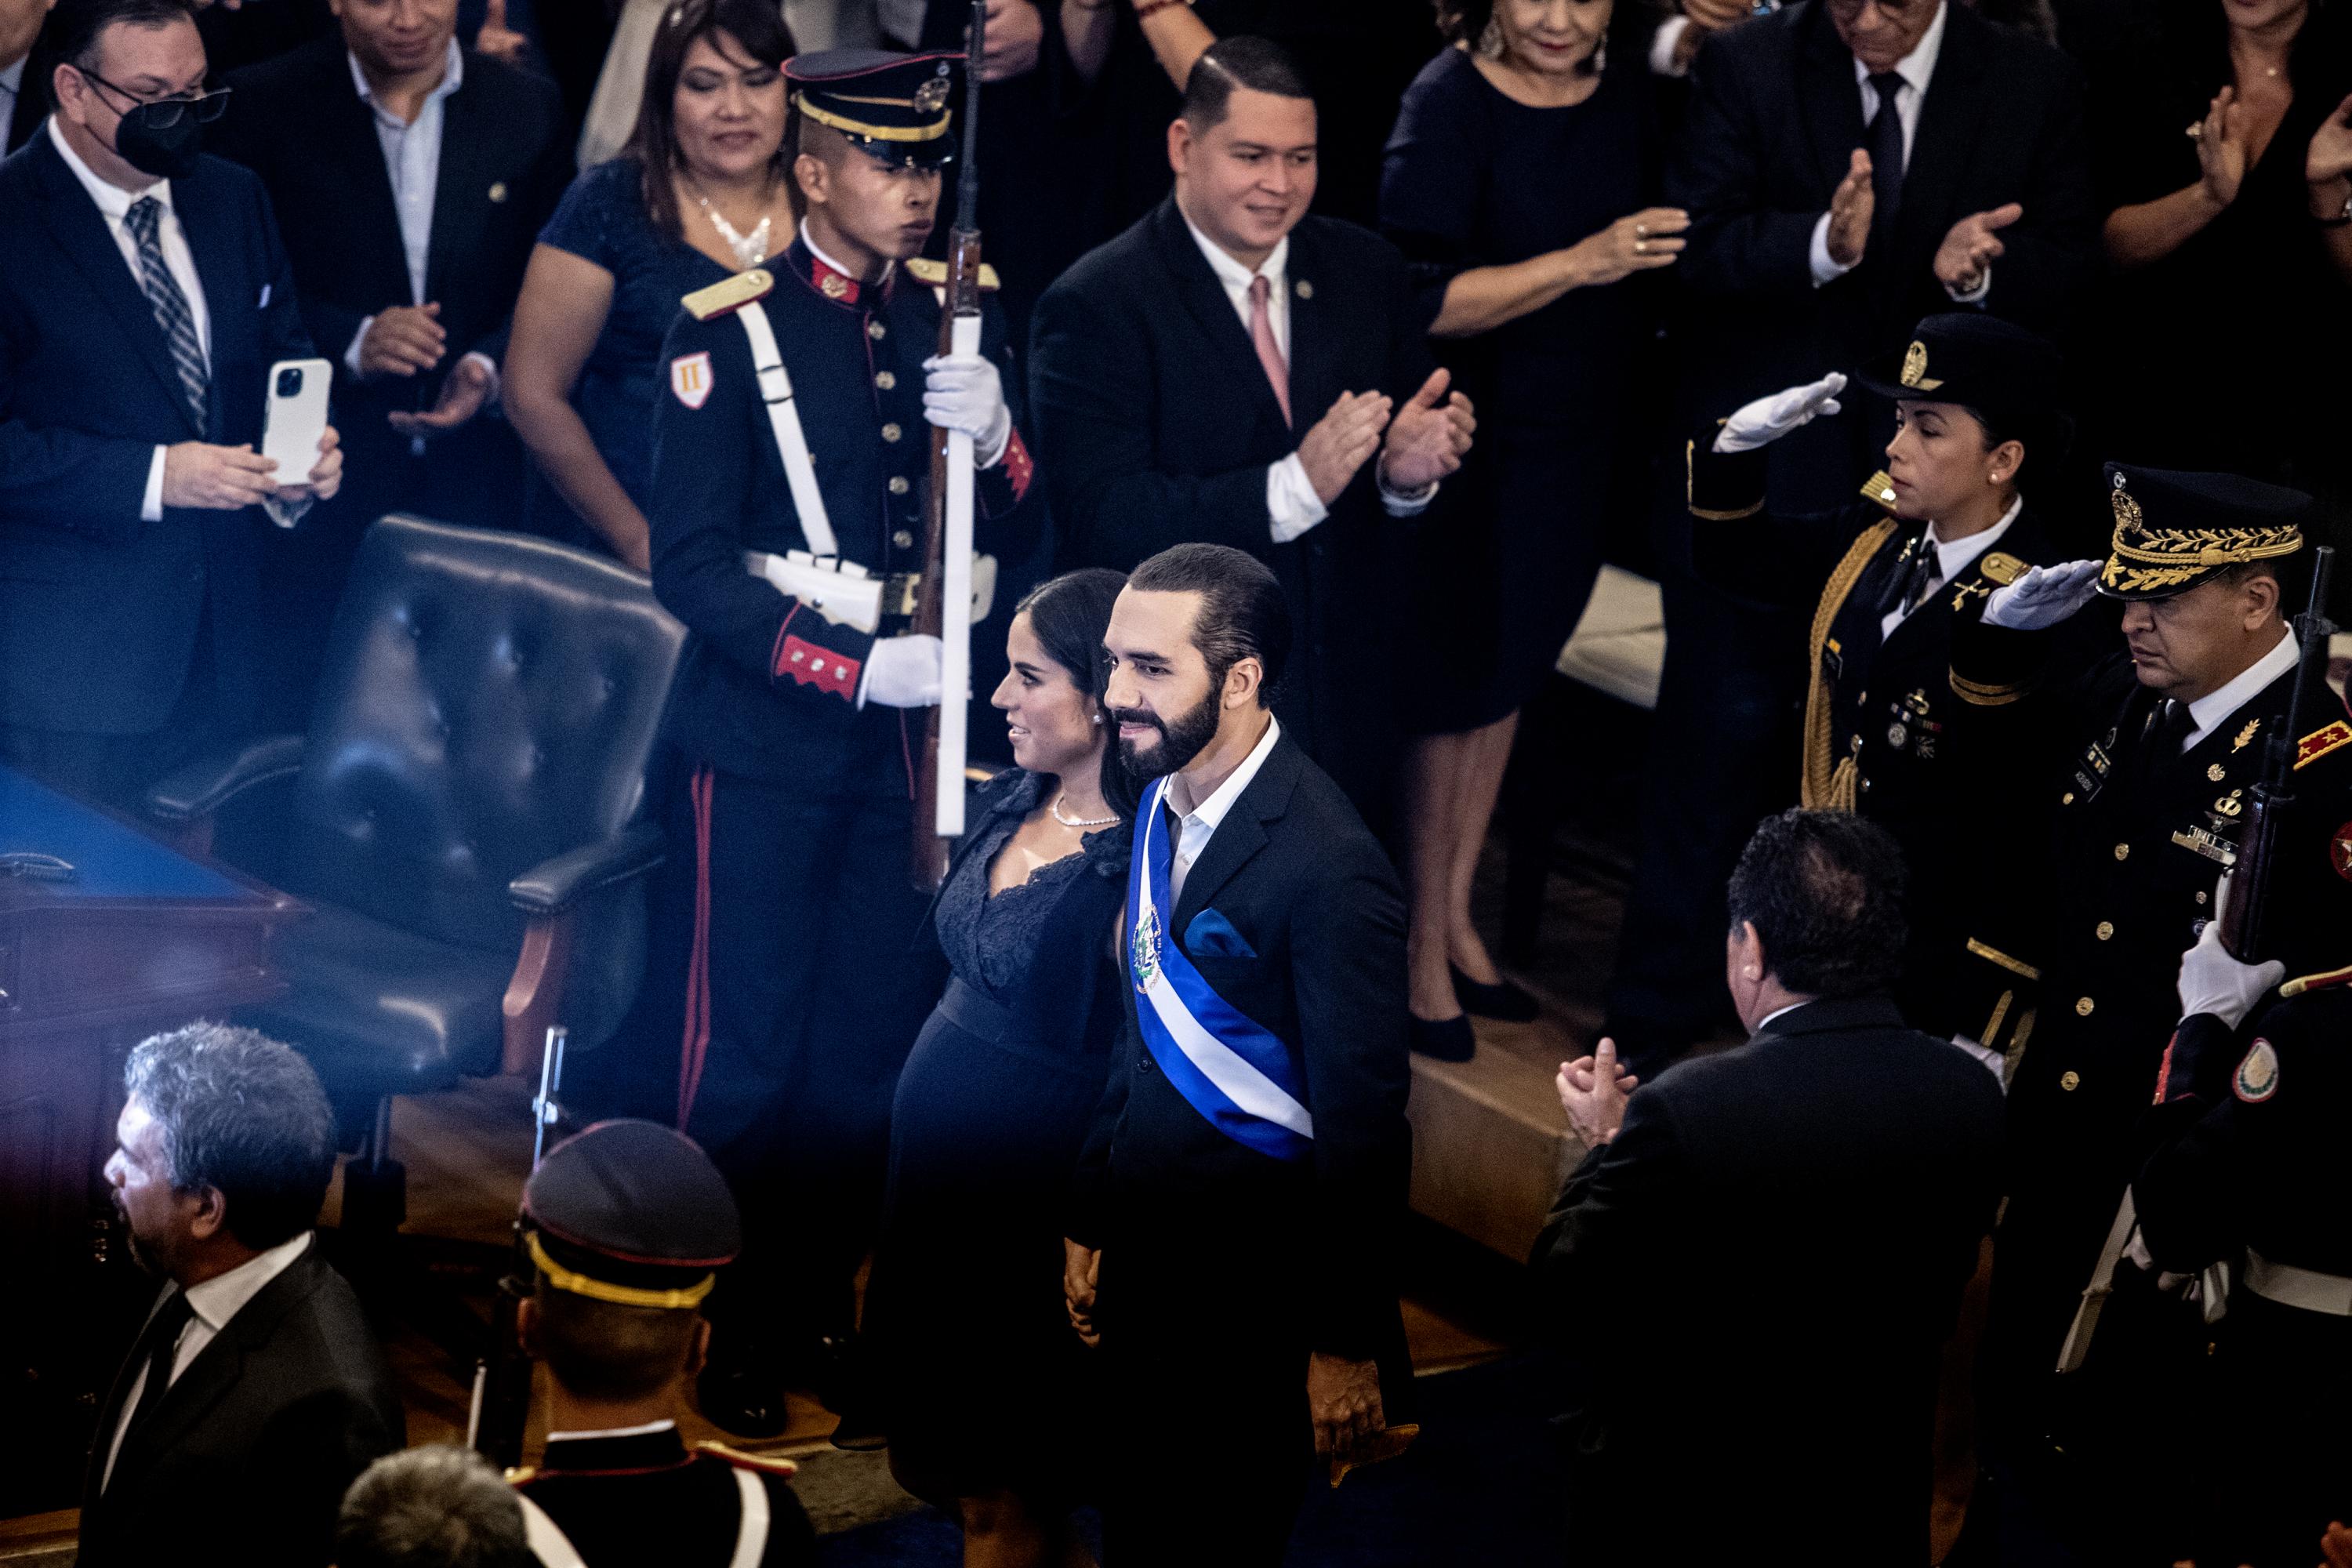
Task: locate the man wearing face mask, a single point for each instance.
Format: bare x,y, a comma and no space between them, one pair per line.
143,296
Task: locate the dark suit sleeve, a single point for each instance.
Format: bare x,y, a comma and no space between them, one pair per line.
1347,942
1616,1210
1747,551
52,475
1097,392
311,1451
544,187
2052,253
1738,246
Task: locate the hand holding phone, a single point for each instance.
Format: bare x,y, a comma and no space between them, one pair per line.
297,418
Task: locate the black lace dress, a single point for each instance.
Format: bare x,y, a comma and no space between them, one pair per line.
982,1385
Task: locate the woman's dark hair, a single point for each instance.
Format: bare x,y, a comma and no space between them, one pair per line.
758,28
1465,22
1068,614
2046,436
1824,890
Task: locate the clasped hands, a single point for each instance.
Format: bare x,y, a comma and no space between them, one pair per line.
1969,247
1343,1395
1593,1090
1425,441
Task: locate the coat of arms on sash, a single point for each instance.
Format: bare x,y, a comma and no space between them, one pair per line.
1143,948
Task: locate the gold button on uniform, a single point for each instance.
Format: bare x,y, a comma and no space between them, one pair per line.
2106,928
877,331
898,484
2082,1007
891,431
2123,851
2068,1080
884,380
903,539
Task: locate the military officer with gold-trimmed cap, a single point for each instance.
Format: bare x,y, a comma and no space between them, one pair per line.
2153,751
1887,579
628,1223
791,471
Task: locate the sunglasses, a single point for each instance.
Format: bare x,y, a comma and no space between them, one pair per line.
163,113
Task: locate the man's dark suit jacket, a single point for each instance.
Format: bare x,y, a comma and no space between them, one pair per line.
1156,426
299,122
1180,1209
1775,117
32,102
98,611
259,1437
1756,1277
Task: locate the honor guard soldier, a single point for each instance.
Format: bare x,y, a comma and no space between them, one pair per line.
628,1223
790,473
2156,746
2249,1169
1887,579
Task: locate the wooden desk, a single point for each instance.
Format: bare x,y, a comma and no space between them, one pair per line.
138,938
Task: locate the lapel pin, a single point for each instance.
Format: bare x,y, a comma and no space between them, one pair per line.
497,190
1304,290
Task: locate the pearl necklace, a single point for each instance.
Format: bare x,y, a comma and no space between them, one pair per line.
751,249
1079,821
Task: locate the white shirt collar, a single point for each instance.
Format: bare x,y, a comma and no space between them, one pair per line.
818,251
453,76
1232,273
1918,67
1202,819
113,201
2212,710
1766,1022
1953,558
643,1429
222,1297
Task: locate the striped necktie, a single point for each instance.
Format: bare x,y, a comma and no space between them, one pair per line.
170,307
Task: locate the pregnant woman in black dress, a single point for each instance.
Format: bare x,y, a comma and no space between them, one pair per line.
980,1381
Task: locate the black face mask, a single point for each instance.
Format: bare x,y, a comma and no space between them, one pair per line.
168,152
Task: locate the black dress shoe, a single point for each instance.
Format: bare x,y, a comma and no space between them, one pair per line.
1509,1003
746,1401
1442,1039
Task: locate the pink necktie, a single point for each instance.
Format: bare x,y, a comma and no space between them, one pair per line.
1269,352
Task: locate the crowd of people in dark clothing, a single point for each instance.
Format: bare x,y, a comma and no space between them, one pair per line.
1967,376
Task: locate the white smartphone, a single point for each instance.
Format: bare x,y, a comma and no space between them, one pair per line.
297,416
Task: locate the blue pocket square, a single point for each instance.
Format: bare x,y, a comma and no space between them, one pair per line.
1210,935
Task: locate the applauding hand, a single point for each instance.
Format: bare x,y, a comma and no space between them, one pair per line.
1638,242
1593,1090
1338,444
2222,152
1428,437
1852,206
463,392
2328,164
402,340
1973,245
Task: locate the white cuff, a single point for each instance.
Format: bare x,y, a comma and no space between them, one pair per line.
351,351
1291,504
490,367
1403,503
1825,265
1990,1060
989,457
151,503
1975,296
1664,43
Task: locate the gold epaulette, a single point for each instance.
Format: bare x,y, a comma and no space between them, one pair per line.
521,1475
2002,567
2321,742
1879,489
765,1464
935,273
2327,980
728,294
1977,694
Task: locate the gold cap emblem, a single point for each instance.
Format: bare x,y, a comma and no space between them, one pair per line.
832,285
1914,368
932,95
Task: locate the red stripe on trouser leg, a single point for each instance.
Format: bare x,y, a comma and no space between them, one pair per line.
696,1044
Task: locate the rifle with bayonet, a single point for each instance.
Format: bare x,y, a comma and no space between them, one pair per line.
943,599
2245,926
501,1401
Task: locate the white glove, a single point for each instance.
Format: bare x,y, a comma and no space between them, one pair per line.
2044,596
964,392
1767,419
2213,982
904,672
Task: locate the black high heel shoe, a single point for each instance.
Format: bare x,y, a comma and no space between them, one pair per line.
1442,1039
1506,1001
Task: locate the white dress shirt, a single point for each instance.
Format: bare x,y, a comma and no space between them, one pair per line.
1292,507
1195,827
2218,707
114,206
1951,560
213,1303
1916,70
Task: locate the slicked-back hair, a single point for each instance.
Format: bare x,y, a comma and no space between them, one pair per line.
758,28
1068,614
74,28
1824,890
244,1115
1241,615
439,1506
1261,65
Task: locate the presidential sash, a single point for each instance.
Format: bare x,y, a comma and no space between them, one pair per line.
1232,1070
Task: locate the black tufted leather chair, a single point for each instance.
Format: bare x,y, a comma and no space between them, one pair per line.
464,812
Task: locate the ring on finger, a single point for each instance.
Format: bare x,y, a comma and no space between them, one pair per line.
1640,247
1641,231
2197,130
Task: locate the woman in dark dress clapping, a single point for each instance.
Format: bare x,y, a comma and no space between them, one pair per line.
1515,185
980,1383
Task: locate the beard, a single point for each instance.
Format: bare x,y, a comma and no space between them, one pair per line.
1181,738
